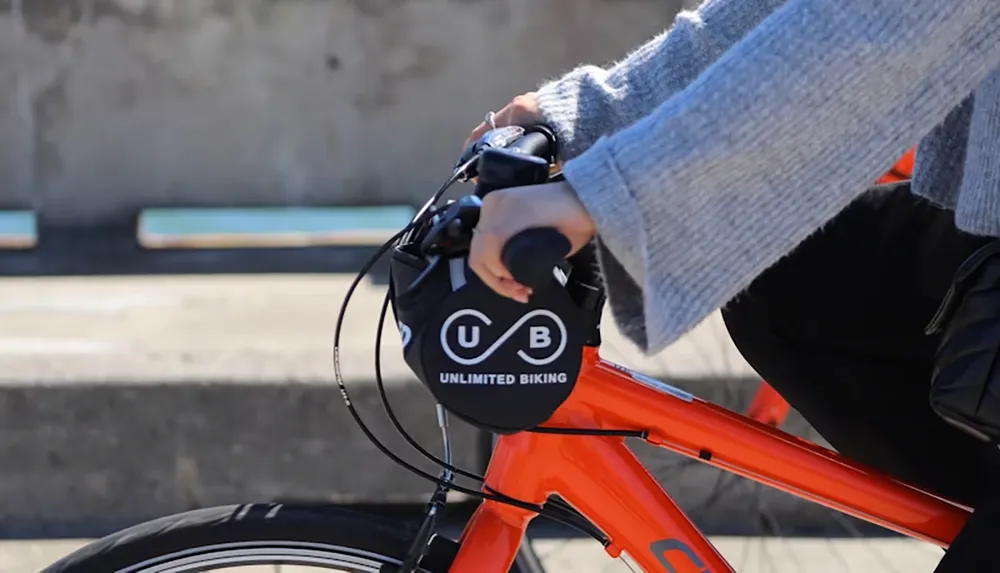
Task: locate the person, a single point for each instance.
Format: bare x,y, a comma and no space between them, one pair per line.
727,162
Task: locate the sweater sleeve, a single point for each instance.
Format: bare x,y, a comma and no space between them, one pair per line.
771,141
590,101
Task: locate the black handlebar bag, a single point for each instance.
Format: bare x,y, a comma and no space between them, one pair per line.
965,385
498,364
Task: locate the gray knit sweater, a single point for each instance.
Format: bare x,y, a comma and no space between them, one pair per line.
713,150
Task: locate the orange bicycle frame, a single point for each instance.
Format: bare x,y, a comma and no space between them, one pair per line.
768,406
604,481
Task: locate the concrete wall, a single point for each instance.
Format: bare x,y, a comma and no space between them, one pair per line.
111,105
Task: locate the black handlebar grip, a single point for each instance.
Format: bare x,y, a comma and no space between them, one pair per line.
538,142
531,255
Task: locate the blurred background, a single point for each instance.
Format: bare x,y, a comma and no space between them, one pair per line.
186,189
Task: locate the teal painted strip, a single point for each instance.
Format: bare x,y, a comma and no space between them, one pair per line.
18,224
263,221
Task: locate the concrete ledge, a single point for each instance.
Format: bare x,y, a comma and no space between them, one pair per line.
84,458
92,452
142,329
126,398
83,251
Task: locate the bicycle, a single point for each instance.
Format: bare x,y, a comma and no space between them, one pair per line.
562,414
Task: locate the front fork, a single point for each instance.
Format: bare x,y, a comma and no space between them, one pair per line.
510,523
499,541
502,525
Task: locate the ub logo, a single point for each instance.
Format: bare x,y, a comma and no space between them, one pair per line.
540,336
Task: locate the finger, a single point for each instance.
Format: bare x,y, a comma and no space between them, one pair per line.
484,259
481,129
496,267
497,284
506,116
516,291
497,278
523,293
511,288
498,270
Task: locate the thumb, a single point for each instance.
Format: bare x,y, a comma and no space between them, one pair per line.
480,130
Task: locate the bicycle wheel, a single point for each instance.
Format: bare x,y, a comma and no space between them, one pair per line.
269,536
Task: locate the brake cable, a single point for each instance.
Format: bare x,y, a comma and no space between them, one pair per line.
388,409
556,509
365,269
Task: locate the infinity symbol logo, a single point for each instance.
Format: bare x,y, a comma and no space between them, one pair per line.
540,337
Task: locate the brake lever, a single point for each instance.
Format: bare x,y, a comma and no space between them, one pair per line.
450,234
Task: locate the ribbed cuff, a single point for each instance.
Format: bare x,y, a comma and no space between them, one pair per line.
599,185
621,235
560,102
651,315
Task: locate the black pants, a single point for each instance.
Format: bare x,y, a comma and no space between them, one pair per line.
837,327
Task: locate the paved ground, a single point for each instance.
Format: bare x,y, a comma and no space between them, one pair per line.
747,555
240,328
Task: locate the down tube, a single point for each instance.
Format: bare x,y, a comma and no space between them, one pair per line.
609,485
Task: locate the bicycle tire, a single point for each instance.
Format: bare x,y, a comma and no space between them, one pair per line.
257,527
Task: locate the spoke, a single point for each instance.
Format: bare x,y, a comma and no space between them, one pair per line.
851,528
775,528
724,484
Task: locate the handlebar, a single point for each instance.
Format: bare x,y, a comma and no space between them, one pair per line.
531,255
503,158
538,141
428,286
